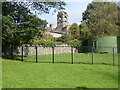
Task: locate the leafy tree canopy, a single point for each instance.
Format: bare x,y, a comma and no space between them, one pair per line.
74,31
102,18
20,25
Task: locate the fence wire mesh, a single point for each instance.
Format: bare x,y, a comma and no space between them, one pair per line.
44,54
62,54
67,54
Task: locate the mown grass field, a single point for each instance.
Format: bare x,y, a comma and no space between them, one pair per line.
17,74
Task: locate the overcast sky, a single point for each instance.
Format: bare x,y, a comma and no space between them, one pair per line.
73,8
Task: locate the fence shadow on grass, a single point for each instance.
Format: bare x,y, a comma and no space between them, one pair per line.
13,58
82,88
68,62
54,62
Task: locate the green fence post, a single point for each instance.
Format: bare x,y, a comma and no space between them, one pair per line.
36,54
22,54
113,56
92,56
72,57
53,54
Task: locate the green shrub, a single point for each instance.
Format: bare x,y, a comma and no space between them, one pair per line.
58,43
63,38
74,43
44,43
35,42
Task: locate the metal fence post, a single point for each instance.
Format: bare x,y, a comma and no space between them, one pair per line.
92,56
22,54
53,54
113,56
36,54
72,57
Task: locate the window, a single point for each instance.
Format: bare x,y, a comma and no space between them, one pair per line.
66,17
60,18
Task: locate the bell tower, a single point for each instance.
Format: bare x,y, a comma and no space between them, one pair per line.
62,19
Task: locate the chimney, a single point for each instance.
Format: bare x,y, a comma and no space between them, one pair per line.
51,26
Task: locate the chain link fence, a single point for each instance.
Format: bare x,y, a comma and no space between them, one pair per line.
67,54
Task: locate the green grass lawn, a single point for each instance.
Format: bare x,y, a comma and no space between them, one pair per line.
16,74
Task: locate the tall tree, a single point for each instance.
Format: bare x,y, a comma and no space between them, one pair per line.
74,31
84,31
119,18
19,25
102,18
